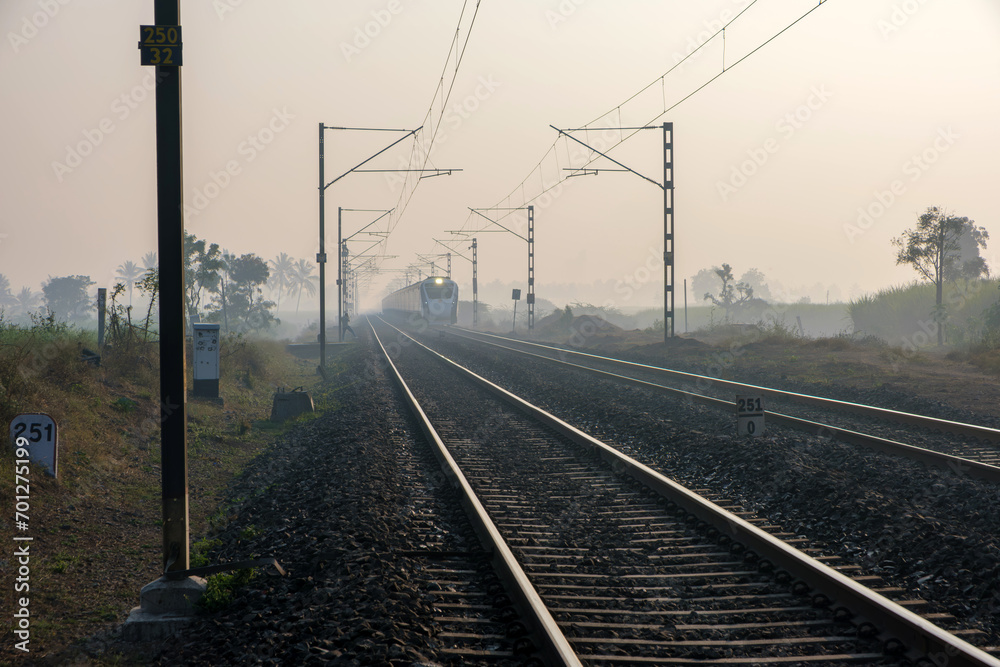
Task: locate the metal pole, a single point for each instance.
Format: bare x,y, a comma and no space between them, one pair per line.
349,295
475,284
449,266
348,286
170,239
685,305
340,266
531,268
321,260
346,279
668,231
102,307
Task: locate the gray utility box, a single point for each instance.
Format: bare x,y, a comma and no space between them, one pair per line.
206,360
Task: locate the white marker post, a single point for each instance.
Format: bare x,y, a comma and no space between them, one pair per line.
750,416
206,361
42,434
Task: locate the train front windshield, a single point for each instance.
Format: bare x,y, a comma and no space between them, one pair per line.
436,292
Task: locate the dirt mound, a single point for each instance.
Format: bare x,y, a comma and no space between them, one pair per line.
578,331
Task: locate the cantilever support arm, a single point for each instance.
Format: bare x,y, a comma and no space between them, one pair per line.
369,224
605,155
499,225
411,132
452,250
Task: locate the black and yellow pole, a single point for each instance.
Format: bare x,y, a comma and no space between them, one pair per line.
321,258
165,54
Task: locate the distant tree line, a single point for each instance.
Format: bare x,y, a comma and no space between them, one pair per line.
219,287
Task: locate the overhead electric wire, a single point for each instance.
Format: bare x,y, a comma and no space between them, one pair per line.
421,148
525,201
676,65
505,202
428,147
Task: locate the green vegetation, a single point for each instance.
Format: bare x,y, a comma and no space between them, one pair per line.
66,296
221,588
229,289
28,353
942,249
102,517
249,532
733,297
200,550
905,315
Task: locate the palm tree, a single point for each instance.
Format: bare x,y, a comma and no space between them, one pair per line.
149,261
6,298
282,275
130,272
303,278
26,300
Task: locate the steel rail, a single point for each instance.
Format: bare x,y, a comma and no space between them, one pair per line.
962,428
550,639
918,634
951,462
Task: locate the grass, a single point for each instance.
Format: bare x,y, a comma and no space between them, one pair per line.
904,314
97,528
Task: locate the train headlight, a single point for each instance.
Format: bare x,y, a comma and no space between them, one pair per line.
438,281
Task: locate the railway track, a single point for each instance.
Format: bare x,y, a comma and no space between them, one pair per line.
615,564
474,622
957,446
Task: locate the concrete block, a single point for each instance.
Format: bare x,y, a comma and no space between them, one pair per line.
166,606
142,626
171,596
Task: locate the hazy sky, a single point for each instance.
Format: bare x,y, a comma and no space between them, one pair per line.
888,106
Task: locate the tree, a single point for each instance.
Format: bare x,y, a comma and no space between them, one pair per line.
934,248
6,297
967,263
240,298
282,271
249,273
730,296
67,296
129,272
201,271
26,300
705,281
222,288
754,278
149,261
303,279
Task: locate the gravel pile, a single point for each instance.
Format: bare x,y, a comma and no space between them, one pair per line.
328,503
932,532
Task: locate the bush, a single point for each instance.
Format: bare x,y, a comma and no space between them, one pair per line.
221,589
45,350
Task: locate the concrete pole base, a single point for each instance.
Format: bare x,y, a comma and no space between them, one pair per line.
166,606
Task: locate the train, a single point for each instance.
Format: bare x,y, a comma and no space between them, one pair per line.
434,299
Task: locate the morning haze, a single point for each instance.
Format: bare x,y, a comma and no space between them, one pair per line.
802,161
